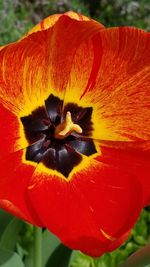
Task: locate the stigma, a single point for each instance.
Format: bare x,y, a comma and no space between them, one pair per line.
65,128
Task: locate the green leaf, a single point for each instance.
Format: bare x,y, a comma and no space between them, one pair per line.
49,244
10,259
5,218
141,258
28,261
10,234
60,257
80,260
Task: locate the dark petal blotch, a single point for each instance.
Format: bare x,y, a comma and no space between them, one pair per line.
84,147
58,154
63,159
33,124
54,108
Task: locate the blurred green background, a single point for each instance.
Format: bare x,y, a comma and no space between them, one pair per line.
16,18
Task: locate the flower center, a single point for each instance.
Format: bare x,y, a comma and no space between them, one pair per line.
66,128
58,135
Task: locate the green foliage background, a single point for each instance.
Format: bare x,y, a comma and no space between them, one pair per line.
16,18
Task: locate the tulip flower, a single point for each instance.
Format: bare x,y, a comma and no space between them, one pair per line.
75,130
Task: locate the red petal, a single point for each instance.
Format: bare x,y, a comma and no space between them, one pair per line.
132,156
97,199
100,248
15,176
118,242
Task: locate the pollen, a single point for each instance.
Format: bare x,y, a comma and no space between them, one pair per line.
65,128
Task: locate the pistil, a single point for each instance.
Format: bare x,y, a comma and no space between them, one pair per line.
66,128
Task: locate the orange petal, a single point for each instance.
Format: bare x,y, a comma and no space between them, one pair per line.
40,64
44,24
111,73
51,20
122,87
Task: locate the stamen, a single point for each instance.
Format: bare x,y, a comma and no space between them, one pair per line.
65,128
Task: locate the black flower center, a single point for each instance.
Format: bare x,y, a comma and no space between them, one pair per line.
46,145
